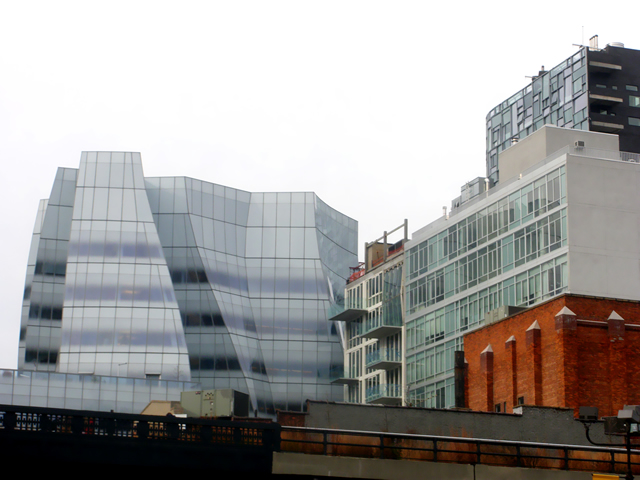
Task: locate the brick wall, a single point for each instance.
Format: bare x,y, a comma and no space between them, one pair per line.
550,357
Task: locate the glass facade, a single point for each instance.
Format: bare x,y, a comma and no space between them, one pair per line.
179,279
86,392
509,251
558,97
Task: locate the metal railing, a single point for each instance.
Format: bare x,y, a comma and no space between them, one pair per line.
47,421
40,423
383,355
475,451
605,154
380,321
383,391
342,372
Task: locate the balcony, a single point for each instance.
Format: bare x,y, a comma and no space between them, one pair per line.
603,67
385,394
356,273
606,127
597,99
342,376
339,313
384,359
383,326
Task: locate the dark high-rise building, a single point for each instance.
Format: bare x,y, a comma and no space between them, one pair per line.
594,89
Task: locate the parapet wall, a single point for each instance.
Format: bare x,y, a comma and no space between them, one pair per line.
535,424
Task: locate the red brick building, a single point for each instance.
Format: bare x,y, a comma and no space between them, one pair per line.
571,351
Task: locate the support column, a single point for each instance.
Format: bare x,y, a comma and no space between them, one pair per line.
567,372
459,378
534,357
617,363
486,369
512,371
466,382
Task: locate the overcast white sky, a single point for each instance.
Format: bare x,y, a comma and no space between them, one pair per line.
378,107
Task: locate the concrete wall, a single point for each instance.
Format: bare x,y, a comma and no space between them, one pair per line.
536,424
549,139
604,227
322,466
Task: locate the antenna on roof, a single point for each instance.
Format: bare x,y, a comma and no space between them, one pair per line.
541,72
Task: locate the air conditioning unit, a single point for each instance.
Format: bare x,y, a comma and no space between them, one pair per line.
579,144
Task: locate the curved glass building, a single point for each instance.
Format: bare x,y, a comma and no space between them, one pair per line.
178,279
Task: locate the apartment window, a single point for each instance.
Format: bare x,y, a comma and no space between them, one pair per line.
520,400
634,101
632,88
634,121
498,408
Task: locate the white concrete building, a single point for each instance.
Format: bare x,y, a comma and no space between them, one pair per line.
565,217
373,314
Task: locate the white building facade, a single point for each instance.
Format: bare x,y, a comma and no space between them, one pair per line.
373,315
564,218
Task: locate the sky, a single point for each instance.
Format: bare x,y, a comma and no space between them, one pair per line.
378,107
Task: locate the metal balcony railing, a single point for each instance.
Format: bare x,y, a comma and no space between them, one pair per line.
383,355
382,321
383,391
345,373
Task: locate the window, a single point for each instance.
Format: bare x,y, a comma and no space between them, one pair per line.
632,88
498,407
634,121
520,400
634,101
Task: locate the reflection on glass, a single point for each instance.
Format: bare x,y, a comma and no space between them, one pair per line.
183,279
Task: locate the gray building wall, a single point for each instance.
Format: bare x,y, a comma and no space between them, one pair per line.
604,227
536,424
345,467
548,140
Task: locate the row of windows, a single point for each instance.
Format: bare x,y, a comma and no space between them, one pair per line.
547,100
57,390
374,290
428,364
524,245
433,361
437,395
381,287
524,289
508,213
354,330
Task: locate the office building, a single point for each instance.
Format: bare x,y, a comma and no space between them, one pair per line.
373,312
176,279
564,218
593,90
